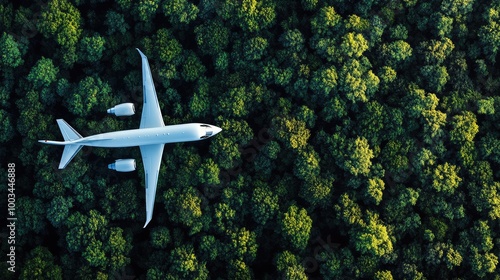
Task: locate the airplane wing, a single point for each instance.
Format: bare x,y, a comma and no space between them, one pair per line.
151,158
151,114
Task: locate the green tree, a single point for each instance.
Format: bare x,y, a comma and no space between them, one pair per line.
255,48
306,164
489,34
91,48
234,102
43,74
435,52
443,253
184,206
160,237
434,77
337,264
356,81
6,128
482,264
353,45
40,265
87,96
116,23
292,39
146,9
465,127
373,238
446,178
417,101
11,54
249,15
208,173
199,104
83,229
120,201
486,106
295,226
290,131
383,275
58,210
167,46
212,37
186,265
61,21
210,248
434,123
326,21
357,159
374,190
317,190
180,11
243,245
239,270
289,266
31,216
397,54
264,204
324,81
192,68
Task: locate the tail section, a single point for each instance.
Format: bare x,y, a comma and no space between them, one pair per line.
67,131
70,150
69,153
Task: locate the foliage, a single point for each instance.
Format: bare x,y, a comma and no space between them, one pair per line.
360,139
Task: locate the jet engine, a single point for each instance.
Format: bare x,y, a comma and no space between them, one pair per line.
123,165
124,109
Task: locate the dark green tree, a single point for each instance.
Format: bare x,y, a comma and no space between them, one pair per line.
40,265
90,48
58,210
43,74
11,55
212,37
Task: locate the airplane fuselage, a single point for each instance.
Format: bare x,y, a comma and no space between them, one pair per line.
146,136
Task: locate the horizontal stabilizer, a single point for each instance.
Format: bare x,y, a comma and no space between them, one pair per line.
69,153
67,131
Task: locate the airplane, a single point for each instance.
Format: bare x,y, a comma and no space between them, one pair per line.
151,136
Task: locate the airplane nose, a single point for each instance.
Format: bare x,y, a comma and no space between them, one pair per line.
217,129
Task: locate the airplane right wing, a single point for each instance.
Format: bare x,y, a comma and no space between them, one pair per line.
151,158
151,114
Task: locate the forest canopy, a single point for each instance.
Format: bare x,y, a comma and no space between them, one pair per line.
361,139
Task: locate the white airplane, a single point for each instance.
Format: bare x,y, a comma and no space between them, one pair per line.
150,137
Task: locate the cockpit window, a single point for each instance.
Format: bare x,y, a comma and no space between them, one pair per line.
208,131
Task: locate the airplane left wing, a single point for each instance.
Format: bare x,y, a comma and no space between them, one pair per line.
151,114
151,158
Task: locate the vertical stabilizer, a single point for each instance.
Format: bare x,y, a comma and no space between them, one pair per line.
67,131
70,150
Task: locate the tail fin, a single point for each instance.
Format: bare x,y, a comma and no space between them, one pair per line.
69,153
67,131
70,150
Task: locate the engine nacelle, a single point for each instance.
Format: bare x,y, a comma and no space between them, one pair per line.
124,109
123,165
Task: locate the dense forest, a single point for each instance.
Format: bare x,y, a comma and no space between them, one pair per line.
361,139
